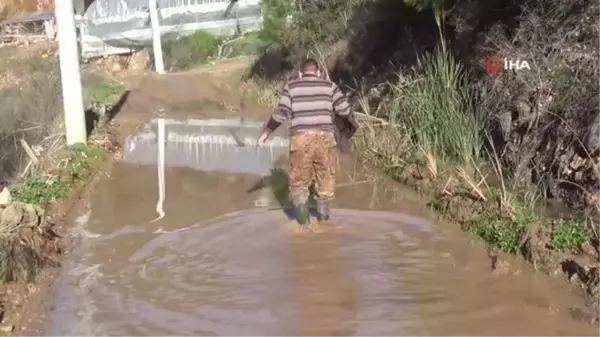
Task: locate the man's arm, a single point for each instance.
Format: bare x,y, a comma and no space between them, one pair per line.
282,112
341,107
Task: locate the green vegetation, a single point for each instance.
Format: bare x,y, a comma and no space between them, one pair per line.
435,104
434,123
201,47
26,239
431,130
99,91
274,20
190,51
41,191
569,234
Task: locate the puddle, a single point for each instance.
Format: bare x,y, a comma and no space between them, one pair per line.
222,266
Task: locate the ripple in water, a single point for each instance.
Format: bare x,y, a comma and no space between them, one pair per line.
378,273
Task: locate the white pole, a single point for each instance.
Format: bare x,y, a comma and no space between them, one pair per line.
156,43
70,76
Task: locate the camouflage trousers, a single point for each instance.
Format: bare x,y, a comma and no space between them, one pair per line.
312,161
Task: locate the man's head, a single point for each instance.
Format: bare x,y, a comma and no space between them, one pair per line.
309,67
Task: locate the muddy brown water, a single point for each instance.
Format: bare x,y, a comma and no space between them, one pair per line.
219,265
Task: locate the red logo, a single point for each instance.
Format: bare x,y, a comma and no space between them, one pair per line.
494,64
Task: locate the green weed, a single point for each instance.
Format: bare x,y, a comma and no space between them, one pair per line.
247,44
274,25
41,191
435,104
190,51
504,234
102,91
80,160
44,190
569,234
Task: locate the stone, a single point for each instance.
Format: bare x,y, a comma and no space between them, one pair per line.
11,216
20,214
7,328
5,197
31,216
139,61
115,67
592,141
591,250
586,261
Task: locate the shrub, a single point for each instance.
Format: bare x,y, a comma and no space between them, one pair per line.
190,51
434,105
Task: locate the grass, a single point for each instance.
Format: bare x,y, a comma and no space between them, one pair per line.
41,191
427,135
190,51
32,115
248,44
23,248
100,91
31,111
434,103
568,234
263,95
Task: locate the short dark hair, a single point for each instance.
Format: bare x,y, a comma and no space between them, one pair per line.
309,65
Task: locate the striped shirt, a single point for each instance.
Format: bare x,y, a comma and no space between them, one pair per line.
309,103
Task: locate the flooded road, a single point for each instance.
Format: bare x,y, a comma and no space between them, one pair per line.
219,265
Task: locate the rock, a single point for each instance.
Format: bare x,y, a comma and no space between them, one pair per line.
592,141
505,123
115,67
576,163
7,328
586,261
18,213
5,197
139,61
591,250
11,216
31,215
523,108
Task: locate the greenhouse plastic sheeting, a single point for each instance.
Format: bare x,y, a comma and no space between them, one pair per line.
121,26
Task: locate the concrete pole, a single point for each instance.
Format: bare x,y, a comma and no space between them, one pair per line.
159,64
72,94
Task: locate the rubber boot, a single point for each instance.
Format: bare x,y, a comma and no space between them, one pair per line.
301,210
323,210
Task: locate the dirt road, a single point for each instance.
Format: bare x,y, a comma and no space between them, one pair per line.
220,265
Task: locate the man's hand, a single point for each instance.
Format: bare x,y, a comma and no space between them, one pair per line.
262,138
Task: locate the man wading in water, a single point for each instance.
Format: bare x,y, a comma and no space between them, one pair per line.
312,105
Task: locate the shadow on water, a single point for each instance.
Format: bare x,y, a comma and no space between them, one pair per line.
277,182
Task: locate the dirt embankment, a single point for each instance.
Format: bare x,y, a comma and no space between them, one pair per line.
40,178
